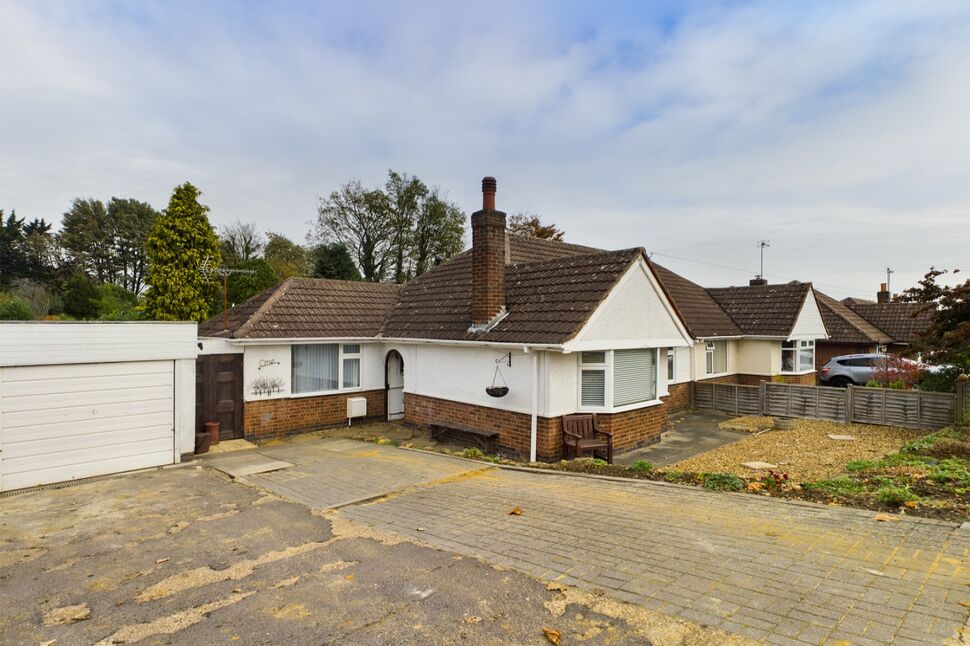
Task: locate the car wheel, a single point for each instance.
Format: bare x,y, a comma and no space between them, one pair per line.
839,382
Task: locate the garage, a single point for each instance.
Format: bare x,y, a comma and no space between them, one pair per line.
82,400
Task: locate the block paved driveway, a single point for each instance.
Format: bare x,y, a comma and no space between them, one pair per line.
783,572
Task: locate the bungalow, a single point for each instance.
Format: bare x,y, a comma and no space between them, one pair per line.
507,337
745,335
904,323
849,333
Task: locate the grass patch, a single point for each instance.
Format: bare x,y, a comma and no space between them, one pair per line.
641,466
840,486
723,482
473,453
895,495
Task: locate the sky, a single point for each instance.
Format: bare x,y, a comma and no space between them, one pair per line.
838,131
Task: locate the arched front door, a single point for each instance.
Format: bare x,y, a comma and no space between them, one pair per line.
394,384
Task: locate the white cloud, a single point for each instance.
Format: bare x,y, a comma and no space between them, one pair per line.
838,131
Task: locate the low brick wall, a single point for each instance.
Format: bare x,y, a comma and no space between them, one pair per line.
269,418
678,397
635,428
514,429
631,429
808,379
723,379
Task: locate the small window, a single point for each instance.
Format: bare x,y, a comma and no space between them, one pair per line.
353,348
715,357
592,377
670,365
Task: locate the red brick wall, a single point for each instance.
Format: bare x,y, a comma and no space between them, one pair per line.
634,428
631,429
514,429
678,398
808,379
270,418
725,379
825,350
488,265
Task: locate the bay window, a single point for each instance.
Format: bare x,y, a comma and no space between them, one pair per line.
797,356
324,367
616,378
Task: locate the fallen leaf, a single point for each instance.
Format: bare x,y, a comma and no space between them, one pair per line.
912,504
349,577
517,511
965,604
885,518
552,635
49,643
756,486
473,619
556,587
422,529
161,560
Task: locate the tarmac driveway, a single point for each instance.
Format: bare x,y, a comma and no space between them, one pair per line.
184,556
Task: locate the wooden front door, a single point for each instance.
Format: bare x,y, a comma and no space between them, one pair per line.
219,393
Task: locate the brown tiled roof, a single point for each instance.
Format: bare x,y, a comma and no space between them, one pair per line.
309,308
701,313
904,322
763,310
844,325
551,290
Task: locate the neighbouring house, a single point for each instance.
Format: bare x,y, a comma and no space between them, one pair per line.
849,333
902,322
565,328
744,335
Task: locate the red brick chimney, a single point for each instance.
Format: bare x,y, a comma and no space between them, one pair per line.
882,296
488,259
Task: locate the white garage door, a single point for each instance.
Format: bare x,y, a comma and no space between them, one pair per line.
75,421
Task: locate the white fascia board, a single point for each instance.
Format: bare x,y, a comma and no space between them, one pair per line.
632,344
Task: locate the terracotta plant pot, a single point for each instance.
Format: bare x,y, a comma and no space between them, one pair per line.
202,441
212,428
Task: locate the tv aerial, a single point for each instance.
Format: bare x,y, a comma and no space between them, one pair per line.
210,271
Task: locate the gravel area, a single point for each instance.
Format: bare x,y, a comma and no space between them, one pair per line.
805,452
748,423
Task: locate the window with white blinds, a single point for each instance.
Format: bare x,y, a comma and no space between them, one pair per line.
593,388
634,376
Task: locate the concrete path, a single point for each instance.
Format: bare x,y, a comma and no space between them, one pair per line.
330,473
689,434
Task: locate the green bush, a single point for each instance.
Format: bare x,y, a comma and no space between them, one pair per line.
473,453
13,308
723,482
674,475
641,465
81,297
116,303
894,495
840,486
944,380
598,462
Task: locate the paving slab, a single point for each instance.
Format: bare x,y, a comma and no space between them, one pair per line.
689,435
330,473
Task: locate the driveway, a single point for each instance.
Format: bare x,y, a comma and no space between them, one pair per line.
440,550
689,434
183,556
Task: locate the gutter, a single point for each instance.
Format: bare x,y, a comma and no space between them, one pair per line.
379,339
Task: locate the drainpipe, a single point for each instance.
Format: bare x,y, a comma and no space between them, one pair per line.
534,430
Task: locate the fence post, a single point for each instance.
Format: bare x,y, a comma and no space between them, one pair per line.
885,395
737,394
763,398
919,409
848,403
788,388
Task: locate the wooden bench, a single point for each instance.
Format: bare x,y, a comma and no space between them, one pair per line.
485,440
582,436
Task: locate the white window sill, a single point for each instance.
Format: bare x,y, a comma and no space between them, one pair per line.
716,375
322,393
621,409
796,374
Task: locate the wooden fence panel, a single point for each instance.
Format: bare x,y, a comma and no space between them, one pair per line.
749,400
777,400
937,410
832,403
726,398
704,396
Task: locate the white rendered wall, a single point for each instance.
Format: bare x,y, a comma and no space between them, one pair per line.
276,362
809,324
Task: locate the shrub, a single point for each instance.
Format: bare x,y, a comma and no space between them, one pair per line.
723,482
840,486
81,297
894,495
473,453
640,465
13,308
598,462
951,470
943,380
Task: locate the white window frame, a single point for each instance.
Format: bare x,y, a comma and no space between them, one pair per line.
607,367
341,354
797,346
671,365
710,358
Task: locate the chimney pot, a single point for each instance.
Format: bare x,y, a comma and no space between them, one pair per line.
489,187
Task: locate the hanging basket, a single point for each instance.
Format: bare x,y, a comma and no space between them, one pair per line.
497,391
